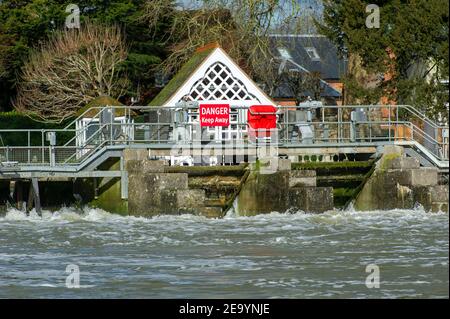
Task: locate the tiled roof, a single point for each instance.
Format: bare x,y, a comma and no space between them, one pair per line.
329,64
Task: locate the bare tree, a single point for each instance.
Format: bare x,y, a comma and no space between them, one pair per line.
71,69
303,83
241,27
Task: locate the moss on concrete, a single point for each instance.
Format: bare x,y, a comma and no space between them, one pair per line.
386,160
208,170
342,196
379,190
237,191
335,168
346,177
344,164
110,200
108,191
264,193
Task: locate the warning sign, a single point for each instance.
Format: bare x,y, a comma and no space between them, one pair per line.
214,114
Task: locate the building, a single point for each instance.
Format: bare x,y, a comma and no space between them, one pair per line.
309,54
211,76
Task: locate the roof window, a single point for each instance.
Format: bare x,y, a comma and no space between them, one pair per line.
312,53
284,53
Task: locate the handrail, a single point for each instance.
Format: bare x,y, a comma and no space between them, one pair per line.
420,115
91,120
84,113
94,135
342,130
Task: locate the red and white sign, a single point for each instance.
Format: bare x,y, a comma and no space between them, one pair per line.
214,114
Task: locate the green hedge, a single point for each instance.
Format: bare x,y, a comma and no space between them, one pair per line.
14,120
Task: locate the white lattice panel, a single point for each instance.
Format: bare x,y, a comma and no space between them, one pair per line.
219,84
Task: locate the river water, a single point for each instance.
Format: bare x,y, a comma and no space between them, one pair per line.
266,256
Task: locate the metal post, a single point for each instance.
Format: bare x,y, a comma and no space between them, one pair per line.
159,127
42,146
352,126
29,144
123,179
339,125
286,126
396,122
323,114
51,154
370,124
37,199
389,122
111,126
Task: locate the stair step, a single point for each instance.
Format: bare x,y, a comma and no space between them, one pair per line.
215,202
422,160
340,181
335,168
350,178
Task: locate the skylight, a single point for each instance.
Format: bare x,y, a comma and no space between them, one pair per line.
312,53
284,53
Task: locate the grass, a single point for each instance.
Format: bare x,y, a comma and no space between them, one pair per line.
178,80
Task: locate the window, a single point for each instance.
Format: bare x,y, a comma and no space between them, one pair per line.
312,53
219,84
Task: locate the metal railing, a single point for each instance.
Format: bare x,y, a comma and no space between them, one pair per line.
299,126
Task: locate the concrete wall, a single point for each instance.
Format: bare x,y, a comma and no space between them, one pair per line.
104,193
264,187
400,182
267,191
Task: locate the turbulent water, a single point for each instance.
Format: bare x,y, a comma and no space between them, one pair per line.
267,256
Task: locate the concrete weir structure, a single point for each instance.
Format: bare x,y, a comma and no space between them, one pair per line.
400,182
267,190
153,187
271,185
167,163
266,186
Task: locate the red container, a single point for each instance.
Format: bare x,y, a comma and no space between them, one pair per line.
262,120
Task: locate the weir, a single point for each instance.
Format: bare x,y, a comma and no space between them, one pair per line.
91,157
345,177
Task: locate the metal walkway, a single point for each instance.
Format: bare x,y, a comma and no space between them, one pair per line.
309,129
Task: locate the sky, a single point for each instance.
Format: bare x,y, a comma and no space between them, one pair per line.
315,5
307,8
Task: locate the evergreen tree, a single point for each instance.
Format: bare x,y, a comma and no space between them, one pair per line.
412,42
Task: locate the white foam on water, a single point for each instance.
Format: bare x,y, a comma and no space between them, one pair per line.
67,214
272,221
293,254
